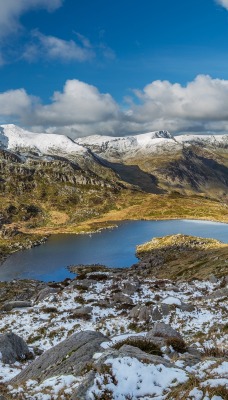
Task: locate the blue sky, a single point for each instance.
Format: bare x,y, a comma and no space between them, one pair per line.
114,67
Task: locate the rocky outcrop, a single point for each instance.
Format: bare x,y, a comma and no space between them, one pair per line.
69,357
185,257
9,305
13,348
164,331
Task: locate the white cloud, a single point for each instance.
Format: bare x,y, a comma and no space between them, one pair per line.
80,104
80,109
11,10
14,104
55,48
223,3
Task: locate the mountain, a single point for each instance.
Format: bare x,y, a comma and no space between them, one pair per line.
49,179
161,162
155,162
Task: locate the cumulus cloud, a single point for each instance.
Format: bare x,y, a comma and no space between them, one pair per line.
80,109
80,104
223,3
53,48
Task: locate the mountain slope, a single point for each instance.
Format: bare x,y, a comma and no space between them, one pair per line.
71,182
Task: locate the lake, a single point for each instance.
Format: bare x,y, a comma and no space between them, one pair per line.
112,247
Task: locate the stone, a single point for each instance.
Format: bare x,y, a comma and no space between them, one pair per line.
134,313
166,308
71,356
213,279
84,283
156,314
121,298
187,307
9,305
13,348
130,288
144,314
219,293
82,312
80,392
163,330
44,293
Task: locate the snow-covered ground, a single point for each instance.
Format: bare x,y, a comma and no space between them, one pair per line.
51,320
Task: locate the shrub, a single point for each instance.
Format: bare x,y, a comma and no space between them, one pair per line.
214,351
143,344
177,344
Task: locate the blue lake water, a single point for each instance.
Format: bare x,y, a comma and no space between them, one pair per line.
111,247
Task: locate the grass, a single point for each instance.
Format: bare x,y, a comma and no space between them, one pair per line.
214,351
185,257
145,345
177,344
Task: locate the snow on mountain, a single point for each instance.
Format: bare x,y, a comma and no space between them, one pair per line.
111,147
211,140
14,138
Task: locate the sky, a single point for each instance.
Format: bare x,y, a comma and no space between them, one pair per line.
114,67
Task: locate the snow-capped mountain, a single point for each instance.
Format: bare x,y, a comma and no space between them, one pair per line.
154,162
110,147
16,139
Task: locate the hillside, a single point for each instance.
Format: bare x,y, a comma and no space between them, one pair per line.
185,257
118,333
50,183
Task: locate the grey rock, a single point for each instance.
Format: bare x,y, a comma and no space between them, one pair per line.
80,392
130,288
9,305
166,308
213,279
163,330
69,357
134,313
190,359
84,283
219,293
131,351
82,311
156,314
13,348
121,298
187,307
44,293
144,314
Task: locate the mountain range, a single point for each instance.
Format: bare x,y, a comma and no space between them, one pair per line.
154,162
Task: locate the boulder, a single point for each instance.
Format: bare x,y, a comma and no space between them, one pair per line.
71,356
44,293
119,297
163,330
187,307
82,312
217,294
130,288
84,284
9,305
13,348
